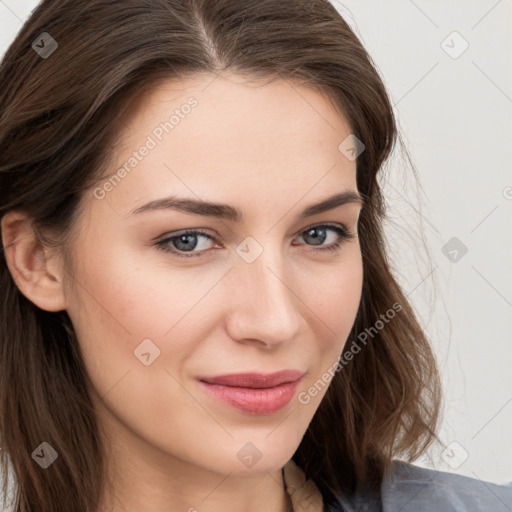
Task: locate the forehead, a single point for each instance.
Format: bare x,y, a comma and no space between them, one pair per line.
212,136
231,109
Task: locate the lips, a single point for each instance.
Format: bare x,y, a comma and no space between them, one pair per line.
254,380
254,393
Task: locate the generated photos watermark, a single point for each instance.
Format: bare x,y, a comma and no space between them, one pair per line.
305,396
156,136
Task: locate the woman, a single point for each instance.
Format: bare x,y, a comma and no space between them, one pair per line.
197,308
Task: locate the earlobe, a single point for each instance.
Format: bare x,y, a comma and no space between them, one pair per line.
27,259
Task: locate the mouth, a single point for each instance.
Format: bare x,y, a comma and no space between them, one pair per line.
254,393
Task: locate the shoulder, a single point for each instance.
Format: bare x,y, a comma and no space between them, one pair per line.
411,488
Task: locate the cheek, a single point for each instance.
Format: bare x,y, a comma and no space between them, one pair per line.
334,307
122,301
335,295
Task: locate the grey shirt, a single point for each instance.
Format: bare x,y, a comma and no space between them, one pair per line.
410,488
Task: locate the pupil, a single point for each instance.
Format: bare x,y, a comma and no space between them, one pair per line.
186,240
317,239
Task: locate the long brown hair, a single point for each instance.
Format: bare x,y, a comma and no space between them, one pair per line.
57,131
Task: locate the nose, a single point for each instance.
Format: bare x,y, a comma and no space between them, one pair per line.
263,302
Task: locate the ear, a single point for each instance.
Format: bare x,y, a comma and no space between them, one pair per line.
36,275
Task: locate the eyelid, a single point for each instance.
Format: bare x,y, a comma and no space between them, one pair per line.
324,224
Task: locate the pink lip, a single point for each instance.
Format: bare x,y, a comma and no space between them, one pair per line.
254,393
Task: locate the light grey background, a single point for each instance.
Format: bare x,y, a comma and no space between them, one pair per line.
455,114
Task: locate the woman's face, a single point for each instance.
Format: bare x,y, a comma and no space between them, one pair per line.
155,312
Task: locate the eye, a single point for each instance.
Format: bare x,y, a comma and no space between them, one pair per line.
184,242
188,241
318,234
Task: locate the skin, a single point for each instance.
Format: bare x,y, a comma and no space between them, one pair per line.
271,151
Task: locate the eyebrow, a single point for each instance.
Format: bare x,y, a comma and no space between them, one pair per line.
230,213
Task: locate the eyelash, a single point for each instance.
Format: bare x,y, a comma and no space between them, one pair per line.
342,235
